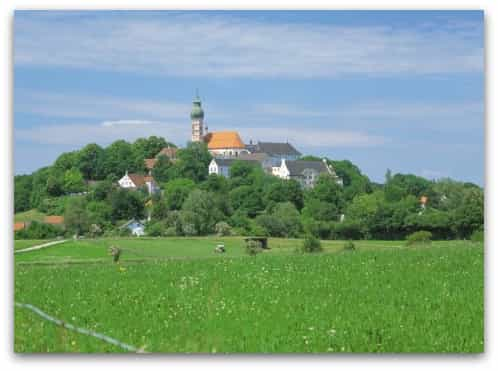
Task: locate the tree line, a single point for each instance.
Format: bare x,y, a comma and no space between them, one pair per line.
81,185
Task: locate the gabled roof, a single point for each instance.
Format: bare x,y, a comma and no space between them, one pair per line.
227,162
296,168
139,180
129,222
260,157
224,139
277,149
54,219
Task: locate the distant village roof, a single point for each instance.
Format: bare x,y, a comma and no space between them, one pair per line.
277,149
170,152
224,139
54,219
297,167
227,162
139,180
260,157
19,226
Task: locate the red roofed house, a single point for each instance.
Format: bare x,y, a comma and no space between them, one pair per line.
54,220
19,226
135,181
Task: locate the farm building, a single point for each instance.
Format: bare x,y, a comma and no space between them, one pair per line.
221,166
135,181
137,228
305,172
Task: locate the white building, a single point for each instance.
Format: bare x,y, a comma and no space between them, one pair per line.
305,172
136,227
136,181
221,166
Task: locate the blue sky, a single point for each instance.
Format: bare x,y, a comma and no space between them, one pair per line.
398,90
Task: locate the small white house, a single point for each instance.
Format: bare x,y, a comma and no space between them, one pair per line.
136,227
135,181
221,166
305,172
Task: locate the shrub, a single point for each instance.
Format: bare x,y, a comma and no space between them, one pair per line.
154,229
253,247
420,237
223,229
38,231
477,236
349,246
170,232
311,244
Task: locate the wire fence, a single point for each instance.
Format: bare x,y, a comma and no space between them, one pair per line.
58,322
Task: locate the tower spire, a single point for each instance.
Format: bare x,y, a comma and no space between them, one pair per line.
197,118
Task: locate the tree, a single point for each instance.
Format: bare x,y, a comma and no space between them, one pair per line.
289,216
285,191
39,189
354,182
126,204
161,170
469,215
76,216
363,211
55,184
177,191
149,147
102,190
66,161
90,161
23,186
73,181
119,158
247,199
193,162
99,212
199,214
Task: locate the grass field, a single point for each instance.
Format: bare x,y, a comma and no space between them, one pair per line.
29,216
176,295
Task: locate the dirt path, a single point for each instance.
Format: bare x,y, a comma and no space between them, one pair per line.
38,247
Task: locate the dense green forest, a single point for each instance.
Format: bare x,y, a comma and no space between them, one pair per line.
81,185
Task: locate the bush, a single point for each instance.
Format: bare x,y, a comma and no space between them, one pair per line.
170,232
349,246
253,247
38,231
154,229
223,229
420,237
311,244
477,236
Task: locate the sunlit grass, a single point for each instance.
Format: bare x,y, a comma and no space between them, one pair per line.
383,297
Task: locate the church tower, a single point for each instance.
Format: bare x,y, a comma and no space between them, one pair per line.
197,117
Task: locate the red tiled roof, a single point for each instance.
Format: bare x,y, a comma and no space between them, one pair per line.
224,139
19,226
54,219
139,180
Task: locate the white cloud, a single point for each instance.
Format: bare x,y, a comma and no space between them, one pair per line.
103,133
129,122
313,137
103,107
226,46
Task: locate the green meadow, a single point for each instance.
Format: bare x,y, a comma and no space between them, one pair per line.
177,295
